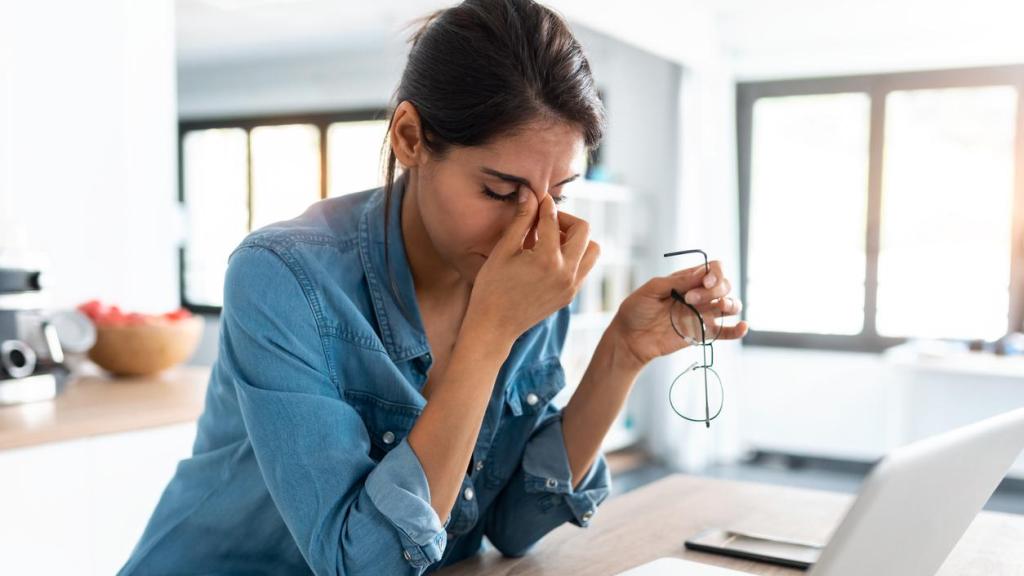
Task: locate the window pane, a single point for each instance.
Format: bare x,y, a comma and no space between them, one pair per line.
808,211
215,174
285,172
354,156
944,262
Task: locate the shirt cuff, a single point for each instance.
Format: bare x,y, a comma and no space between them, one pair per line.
546,468
398,487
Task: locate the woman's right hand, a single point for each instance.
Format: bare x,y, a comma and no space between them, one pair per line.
518,287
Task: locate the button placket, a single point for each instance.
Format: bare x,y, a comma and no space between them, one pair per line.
465,511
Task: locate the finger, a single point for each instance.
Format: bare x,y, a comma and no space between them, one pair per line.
662,286
567,220
702,295
587,262
512,240
734,332
547,224
725,306
577,239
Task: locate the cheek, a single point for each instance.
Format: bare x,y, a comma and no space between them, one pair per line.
466,226
482,231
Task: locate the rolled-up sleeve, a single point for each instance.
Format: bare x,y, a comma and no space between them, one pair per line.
540,496
347,513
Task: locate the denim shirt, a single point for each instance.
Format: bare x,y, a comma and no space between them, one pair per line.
301,462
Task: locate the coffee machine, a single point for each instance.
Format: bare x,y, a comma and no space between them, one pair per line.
33,340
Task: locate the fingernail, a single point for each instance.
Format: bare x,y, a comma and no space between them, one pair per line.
522,195
692,297
709,280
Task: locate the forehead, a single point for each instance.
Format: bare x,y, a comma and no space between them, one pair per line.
535,146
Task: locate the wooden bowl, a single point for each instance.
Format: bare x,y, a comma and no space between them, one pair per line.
144,349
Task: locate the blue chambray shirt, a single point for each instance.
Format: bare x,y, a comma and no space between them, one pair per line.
301,463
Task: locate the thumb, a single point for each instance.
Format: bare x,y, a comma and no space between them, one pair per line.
526,213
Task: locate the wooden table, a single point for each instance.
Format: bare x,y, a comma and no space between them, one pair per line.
653,521
94,403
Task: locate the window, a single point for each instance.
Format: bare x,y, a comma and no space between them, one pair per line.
880,208
810,174
240,175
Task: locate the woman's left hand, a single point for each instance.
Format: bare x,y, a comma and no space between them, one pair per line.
642,321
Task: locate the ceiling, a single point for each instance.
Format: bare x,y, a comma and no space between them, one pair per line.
760,38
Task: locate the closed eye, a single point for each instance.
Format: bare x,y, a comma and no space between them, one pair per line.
511,198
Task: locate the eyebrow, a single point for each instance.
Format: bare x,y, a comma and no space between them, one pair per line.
520,179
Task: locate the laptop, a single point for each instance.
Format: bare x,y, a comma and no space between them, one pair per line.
912,508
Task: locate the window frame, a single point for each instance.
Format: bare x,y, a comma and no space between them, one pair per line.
322,121
876,87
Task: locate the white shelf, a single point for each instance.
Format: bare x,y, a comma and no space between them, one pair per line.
606,207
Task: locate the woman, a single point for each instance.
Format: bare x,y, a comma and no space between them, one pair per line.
381,397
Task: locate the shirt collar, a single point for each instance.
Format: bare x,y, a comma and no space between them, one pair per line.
402,331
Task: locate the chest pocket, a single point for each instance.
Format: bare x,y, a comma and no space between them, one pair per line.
387,423
533,389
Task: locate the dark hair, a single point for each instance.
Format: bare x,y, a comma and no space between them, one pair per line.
484,68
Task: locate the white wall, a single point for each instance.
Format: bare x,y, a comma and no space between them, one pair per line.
333,80
87,148
808,38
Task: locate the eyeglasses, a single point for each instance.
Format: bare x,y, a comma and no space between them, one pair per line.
684,394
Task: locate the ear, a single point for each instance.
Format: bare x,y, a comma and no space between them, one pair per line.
405,135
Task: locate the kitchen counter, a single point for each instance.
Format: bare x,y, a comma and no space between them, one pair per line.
95,403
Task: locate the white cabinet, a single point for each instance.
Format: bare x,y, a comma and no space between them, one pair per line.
78,507
856,406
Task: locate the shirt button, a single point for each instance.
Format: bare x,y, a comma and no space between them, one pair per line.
551,483
532,399
588,515
389,437
479,465
468,493
408,557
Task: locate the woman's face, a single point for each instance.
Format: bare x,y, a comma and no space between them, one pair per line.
467,199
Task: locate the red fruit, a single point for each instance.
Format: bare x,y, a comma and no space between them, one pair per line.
92,308
179,314
135,318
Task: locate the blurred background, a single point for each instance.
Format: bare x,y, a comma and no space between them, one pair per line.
856,166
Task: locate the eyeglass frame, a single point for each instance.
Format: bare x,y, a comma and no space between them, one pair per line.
705,346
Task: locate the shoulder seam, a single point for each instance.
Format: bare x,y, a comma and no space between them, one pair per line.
299,275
